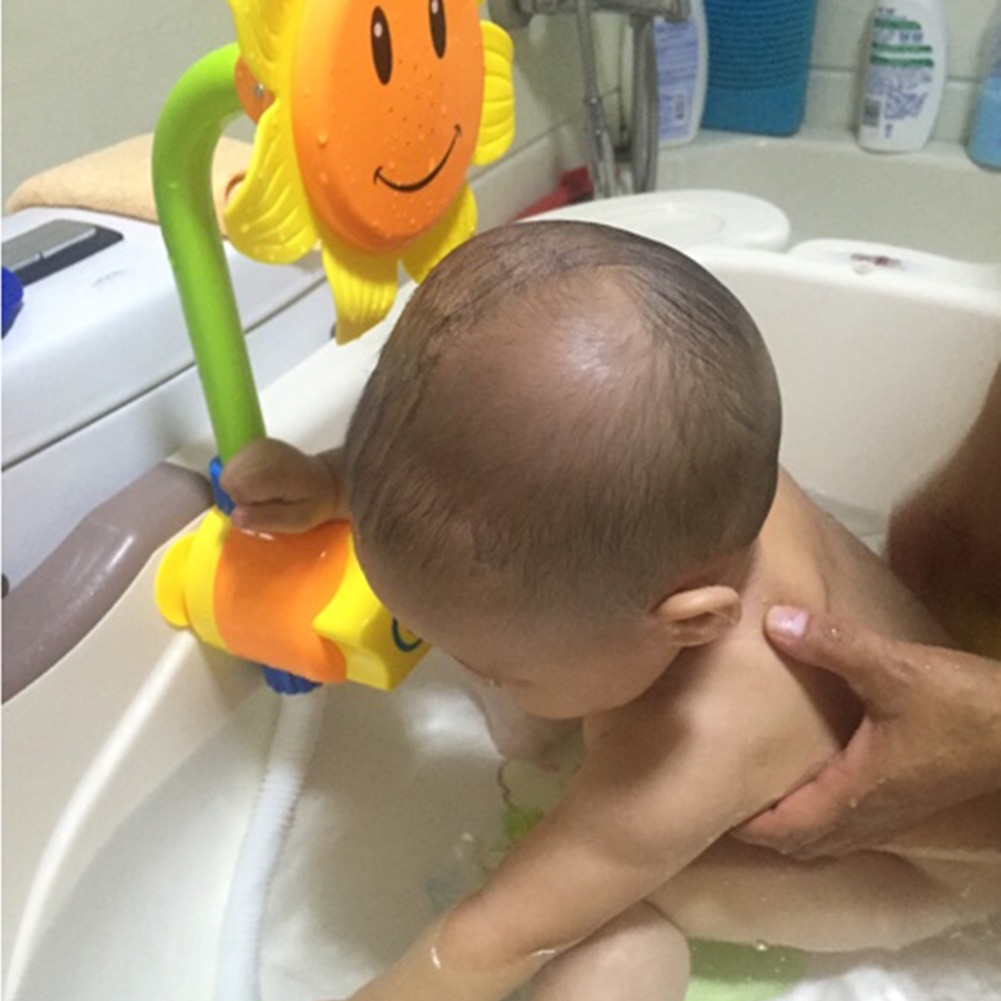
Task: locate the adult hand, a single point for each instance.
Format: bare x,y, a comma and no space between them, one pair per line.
277,488
930,738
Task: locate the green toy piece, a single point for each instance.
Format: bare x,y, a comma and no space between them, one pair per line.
199,108
724,971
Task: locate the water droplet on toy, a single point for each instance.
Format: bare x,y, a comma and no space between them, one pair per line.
322,139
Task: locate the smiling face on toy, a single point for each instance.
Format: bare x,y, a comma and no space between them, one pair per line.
386,104
369,113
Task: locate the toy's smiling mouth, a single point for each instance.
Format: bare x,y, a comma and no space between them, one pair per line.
427,179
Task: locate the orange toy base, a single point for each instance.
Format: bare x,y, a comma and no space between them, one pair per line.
267,593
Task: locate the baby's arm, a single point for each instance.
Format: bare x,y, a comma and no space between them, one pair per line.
277,488
654,792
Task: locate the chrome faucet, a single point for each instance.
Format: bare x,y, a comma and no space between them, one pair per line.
512,14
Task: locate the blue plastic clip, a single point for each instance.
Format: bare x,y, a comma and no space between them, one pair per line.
286,683
223,501
13,296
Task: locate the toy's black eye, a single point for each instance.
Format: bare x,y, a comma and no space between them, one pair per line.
437,10
382,47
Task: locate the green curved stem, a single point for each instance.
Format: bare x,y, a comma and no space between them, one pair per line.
200,106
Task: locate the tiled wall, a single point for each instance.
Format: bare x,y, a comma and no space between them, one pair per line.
549,103
839,52
81,76
549,86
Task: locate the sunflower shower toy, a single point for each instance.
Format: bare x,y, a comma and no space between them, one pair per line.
368,117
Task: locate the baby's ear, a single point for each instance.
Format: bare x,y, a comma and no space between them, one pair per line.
699,615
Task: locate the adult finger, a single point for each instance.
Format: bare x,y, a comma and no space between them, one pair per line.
810,820
871,664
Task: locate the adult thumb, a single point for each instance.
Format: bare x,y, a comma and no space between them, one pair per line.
868,662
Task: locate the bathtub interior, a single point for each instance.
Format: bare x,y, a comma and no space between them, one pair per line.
149,790
936,201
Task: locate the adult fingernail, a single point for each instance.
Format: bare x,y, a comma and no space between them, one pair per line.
785,620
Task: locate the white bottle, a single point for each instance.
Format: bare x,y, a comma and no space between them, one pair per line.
905,75
682,72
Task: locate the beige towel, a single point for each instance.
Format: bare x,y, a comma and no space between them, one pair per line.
118,180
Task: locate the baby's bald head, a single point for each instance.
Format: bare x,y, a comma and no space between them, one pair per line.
567,416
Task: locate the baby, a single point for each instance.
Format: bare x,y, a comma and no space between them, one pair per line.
564,472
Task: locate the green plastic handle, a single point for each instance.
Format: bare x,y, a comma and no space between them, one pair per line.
199,108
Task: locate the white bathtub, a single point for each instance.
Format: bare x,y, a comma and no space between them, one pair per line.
130,768
937,200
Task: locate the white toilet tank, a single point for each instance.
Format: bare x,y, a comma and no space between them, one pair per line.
99,382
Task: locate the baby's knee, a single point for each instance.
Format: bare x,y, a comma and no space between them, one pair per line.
640,956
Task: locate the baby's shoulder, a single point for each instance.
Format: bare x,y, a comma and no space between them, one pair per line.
735,689
810,559
731,707
740,688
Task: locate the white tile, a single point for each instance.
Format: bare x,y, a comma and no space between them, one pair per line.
549,82
839,35
507,187
838,58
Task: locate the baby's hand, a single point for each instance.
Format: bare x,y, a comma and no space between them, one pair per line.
516,733
277,488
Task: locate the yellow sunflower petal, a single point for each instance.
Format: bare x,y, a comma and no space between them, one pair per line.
266,32
268,217
364,286
497,120
456,225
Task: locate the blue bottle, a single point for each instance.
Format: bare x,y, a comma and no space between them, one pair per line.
985,137
759,61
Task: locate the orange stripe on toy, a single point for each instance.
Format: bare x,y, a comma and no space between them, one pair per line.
268,591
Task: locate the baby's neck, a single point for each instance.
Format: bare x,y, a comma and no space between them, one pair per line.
736,570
